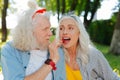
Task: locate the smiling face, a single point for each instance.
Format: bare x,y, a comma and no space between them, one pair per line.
42,32
69,32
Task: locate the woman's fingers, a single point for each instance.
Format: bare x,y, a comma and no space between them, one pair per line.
53,49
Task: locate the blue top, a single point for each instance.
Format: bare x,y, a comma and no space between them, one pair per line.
14,63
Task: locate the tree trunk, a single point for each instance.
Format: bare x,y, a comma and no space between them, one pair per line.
58,8
73,5
115,43
4,28
63,6
90,8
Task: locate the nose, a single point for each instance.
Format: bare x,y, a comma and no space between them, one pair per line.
65,31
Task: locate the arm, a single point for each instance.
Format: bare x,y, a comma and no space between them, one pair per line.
107,71
12,65
45,69
40,74
13,69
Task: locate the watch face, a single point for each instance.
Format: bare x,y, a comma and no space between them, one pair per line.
48,61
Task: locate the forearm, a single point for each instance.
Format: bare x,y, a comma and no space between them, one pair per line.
40,74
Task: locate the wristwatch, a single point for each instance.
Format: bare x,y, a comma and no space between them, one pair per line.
51,63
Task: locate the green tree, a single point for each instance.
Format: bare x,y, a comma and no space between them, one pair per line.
88,7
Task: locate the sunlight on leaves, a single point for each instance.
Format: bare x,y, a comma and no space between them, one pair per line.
117,71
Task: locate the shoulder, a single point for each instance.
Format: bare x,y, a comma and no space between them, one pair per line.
96,56
7,47
94,52
99,64
8,50
12,61
93,49
10,53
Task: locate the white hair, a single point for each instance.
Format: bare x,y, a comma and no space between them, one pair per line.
84,40
22,34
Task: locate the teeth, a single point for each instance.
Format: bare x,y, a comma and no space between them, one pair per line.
66,38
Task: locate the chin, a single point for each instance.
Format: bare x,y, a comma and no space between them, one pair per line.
44,47
66,46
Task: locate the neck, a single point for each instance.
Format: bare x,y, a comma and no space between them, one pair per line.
72,51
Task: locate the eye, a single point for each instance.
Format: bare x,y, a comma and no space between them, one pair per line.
46,28
70,28
61,28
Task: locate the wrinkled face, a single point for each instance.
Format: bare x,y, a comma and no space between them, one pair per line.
69,32
42,32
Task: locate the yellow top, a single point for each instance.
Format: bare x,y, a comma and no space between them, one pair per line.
73,74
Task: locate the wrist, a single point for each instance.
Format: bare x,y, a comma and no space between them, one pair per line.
51,63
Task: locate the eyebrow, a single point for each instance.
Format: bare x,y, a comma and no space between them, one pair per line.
46,27
71,25
68,25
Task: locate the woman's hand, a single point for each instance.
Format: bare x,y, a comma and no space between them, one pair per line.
53,50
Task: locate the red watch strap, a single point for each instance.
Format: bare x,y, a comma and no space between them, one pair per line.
50,62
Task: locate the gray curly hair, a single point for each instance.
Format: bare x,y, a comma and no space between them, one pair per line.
22,35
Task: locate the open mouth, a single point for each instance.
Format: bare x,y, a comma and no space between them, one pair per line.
65,40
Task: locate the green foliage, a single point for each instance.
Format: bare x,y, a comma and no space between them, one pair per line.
79,5
1,4
101,31
53,29
114,17
52,38
48,4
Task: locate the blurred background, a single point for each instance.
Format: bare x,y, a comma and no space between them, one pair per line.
100,17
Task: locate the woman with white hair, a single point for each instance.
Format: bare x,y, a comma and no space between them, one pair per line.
82,60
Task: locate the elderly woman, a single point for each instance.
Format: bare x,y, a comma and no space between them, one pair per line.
82,60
